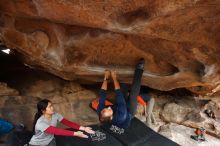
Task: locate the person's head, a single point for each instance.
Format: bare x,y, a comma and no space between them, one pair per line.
43,107
106,115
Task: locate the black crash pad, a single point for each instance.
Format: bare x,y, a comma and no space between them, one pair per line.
19,138
138,134
101,138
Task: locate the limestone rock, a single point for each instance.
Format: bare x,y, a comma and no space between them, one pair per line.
181,135
174,113
69,99
190,113
44,89
19,109
74,91
7,91
214,105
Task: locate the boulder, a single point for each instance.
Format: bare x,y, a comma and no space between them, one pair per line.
181,135
5,90
179,40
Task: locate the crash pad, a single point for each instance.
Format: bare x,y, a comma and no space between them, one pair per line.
100,138
137,134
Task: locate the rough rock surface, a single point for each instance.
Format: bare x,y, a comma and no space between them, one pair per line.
5,90
181,135
72,101
179,40
174,112
69,99
188,112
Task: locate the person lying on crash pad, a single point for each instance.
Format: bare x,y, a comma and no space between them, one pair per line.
45,126
118,113
121,113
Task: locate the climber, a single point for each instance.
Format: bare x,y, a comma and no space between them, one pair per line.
45,126
121,113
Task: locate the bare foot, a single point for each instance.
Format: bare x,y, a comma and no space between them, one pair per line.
114,75
107,75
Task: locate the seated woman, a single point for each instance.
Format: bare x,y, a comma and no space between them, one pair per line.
45,126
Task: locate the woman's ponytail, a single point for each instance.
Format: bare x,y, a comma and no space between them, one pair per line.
41,106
